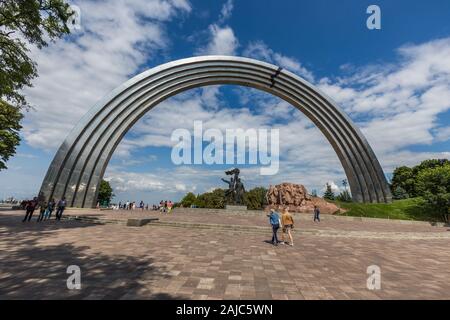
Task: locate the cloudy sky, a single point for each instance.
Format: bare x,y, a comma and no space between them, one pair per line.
394,83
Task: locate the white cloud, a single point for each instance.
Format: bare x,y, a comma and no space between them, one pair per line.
400,103
226,11
405,114
222,41
334,187
259,50
442,133
115,40
396,105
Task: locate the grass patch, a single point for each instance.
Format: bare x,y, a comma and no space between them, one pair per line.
407,209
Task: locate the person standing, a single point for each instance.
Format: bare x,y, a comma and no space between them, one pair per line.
169,206
274,220
316,214
49,209
42,208
30,207
288,224
61,206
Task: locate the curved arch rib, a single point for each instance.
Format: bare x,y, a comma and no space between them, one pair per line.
81,160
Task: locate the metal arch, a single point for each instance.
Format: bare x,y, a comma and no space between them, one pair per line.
81,160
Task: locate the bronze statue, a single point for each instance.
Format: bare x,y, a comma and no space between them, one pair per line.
236,190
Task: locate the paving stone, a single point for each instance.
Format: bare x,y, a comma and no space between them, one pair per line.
163,262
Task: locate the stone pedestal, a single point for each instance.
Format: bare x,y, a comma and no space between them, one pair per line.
235,207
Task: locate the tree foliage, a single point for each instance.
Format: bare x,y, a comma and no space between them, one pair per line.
404,180
344,196
214,199
399,193
433,184
22,22
188,200
255,199
105,193
9,132
328,194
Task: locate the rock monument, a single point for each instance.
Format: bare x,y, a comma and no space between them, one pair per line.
296,197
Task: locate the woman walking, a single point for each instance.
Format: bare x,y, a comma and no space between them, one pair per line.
288,224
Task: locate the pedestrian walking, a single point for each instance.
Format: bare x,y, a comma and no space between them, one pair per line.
316,214
274,219
49,209
288,224
30,207
42,207
60,208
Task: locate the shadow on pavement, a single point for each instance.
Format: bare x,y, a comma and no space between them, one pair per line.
29,270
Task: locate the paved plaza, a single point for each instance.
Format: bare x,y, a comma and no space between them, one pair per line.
198,254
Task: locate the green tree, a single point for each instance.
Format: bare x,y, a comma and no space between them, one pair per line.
433,183
9,132
404,178
188,200
399,193
255,199
105,193
344,196
430,164
214,199
23,22
200,201
328,194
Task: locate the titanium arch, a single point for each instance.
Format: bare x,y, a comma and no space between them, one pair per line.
80,162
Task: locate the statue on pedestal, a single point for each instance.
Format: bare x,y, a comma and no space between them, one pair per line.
236,190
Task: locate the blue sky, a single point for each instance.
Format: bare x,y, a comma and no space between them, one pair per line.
394,83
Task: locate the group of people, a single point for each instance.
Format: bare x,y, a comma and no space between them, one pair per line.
131,205
165,206
286,222
46,209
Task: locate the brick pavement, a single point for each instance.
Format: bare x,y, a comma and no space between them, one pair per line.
120,262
